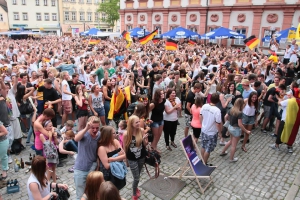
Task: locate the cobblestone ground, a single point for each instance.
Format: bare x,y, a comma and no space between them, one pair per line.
261,173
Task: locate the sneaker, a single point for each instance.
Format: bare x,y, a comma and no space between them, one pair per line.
241,141
273,146
9,160
135,198
138,192
223,153
29,143
24,135
60,165
273,135
264,130
222,143
290,150
234,160
71,169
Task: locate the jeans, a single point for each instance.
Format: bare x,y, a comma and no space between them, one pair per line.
3,154
80,180
106,108
136,168
30,129
170,128
71,146
40,106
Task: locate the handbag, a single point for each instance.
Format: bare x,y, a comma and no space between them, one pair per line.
26,107
152,159
62,194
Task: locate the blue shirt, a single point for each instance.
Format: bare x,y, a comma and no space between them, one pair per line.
68,68
246,93
121,58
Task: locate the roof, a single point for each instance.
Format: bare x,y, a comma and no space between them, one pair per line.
3,4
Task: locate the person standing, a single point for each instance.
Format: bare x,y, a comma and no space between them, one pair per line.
156,86
86,159
210,118
135,142
96,102
195,111
66,97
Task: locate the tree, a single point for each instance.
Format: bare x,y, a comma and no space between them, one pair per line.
111,9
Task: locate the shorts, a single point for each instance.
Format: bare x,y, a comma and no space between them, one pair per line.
67,106
235,131
100,111
188,120
196,132
274,112
267,111
248,120
157,124
209,142
82,113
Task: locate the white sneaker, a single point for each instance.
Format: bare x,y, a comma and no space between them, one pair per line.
273,146
222,143
9,160
234,160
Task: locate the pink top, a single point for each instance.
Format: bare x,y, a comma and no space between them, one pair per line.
37,141
196,116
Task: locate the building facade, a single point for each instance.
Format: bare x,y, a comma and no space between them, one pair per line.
249,17
80,15
35,15
3,16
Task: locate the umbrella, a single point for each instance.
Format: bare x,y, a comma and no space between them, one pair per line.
222,33
180,32
138,32
280,35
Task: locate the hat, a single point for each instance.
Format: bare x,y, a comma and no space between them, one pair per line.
254,58
245,82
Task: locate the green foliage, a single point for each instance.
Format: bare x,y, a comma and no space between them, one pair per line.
111,9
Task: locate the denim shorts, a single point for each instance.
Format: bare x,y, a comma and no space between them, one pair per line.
208,142
234,131
157,124
100,111
248,120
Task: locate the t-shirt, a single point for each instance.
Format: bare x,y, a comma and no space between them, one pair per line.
284,105
111,72
100,74
177,87
211,115
68,68
156,87
246,93
48,94
195,123
234,120
189,99
64,95
173,115
272,92
152,76
157,112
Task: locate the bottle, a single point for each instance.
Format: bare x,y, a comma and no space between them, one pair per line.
18,163
16,182
11,183
33,155
30,157
8,183
16,166
22,163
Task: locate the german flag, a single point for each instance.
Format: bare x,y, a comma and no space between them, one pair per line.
126,36
155,40
192,42
251,42
171,45
46,59
94,41
147,38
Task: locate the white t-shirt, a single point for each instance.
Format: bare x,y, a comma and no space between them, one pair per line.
63,95
173,115
284,105
15,109
211,115
43,191
210,68
167,81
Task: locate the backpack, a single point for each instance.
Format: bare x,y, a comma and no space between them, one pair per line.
130,109
16,147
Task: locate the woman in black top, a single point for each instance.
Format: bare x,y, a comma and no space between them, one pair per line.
135,141
107,96
157,107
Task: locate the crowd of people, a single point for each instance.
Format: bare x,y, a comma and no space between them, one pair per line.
106,105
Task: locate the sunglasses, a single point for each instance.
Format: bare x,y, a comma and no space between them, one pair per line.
143,99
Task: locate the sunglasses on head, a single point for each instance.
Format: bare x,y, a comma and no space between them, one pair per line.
143,99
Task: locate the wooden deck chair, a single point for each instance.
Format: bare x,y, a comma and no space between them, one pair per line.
195,163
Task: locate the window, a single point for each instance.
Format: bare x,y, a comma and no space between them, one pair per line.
46,16
67,16
25,16
102,1
52,2
96,16
1,18
96,1
23,2
73,16
103,16
158,28
38,16
16,16
14,2
45,2
54,18
240,31
81,16
173,27
37,2
81,1
193,28
88,1
268,32
73,1
89,16
129,27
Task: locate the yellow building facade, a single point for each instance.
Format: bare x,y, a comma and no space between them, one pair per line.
3,16
80,15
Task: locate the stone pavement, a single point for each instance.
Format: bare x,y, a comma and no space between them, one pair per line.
261,173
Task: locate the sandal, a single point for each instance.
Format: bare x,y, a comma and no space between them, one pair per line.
169,148
173,144
244,149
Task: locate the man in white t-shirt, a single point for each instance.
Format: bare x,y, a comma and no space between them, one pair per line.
66,96
169,78
210,117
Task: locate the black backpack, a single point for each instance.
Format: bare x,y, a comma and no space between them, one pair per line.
16,147
130,109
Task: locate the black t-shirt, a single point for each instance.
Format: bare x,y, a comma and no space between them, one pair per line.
272,92
152,76
290,73
73,85
189,99
157,112
48,94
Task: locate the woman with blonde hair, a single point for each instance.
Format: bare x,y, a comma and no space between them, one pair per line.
135,142
92,188
110,150
235,128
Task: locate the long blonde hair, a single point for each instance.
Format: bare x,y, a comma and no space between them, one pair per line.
130,130
237,107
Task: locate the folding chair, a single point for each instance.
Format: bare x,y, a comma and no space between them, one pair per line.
195,163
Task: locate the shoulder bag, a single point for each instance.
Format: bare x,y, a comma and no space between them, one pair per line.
152,159
26,107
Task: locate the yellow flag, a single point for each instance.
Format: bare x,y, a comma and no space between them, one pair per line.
291,35
297,37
